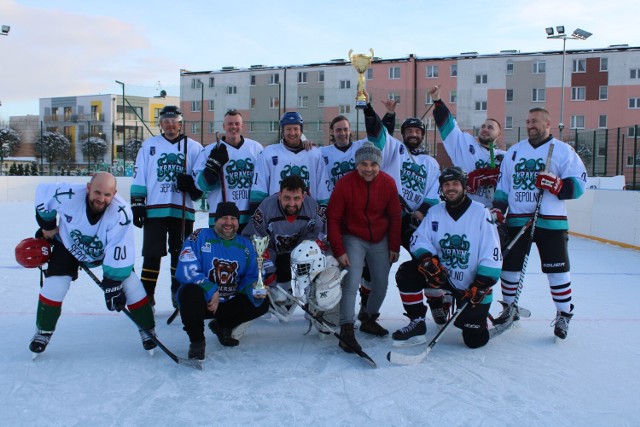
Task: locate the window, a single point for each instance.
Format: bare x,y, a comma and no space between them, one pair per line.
394,96
453,70
252,81
321,75
212,128
602,121
195,127
274,126
453,96
509,68
538,95
320,100
67,113
232,90
303,101
252,126
481,105
432,71
195,106
195,83
345,84
577,122
319,126
428,99
274,102
369,74
604,64
344,109
508,122
302,76
509,95
578,93
212,105
539,67
604,93
212,81
631,131
429,123
481,79
394,73
634,73
579,65
253,103
634,103
274,78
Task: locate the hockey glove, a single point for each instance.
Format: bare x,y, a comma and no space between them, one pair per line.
187,185
482,177
114,294
478,290
217,158
550,182
434,272
497,216
139,210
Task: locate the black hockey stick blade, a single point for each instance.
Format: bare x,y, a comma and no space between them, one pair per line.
357,351
192,363
173,316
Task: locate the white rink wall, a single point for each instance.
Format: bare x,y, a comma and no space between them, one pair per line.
609,215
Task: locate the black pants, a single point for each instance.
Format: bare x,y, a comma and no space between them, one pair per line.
230,313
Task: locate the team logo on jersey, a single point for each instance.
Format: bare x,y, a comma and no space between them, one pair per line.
187,255
434,225
301,171
89,245
455,251
472,149
326,160
68,218
526,172
401,149
274,160
127,221
225,274
152,151
239,173
413,177
340,169
206,247
170,165
69,193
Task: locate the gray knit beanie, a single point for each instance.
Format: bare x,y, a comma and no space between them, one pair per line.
370,152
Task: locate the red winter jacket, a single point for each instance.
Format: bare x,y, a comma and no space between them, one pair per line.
367,210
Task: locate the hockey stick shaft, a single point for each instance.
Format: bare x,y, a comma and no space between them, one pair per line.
188,362
326,326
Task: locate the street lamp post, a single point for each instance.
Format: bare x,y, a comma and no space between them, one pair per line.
124,153
578,34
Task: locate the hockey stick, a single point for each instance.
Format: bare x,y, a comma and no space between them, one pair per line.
176,311
534,219
407,359
327,327
192,363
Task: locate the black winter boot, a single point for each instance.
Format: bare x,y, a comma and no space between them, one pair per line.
347,334
370,326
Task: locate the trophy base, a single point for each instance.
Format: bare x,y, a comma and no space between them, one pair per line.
260,293
361,105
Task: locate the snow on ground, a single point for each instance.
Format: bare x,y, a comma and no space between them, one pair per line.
95,370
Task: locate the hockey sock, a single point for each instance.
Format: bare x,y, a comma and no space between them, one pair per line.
48,313
509,280
149,276
560,286
142,313
413,305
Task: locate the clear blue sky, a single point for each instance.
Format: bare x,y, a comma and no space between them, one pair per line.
66,47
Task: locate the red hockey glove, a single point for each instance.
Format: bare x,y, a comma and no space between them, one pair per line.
550,182
482,177
497,216
434,272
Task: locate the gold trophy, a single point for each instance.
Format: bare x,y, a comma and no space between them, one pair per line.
360,62
260,244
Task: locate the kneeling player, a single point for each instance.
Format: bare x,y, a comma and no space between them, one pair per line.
457,248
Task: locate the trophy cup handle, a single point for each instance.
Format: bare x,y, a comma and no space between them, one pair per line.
349,55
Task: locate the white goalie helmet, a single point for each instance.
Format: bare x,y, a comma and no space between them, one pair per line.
328,289
307,261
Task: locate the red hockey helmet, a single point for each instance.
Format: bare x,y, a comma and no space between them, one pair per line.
32,252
